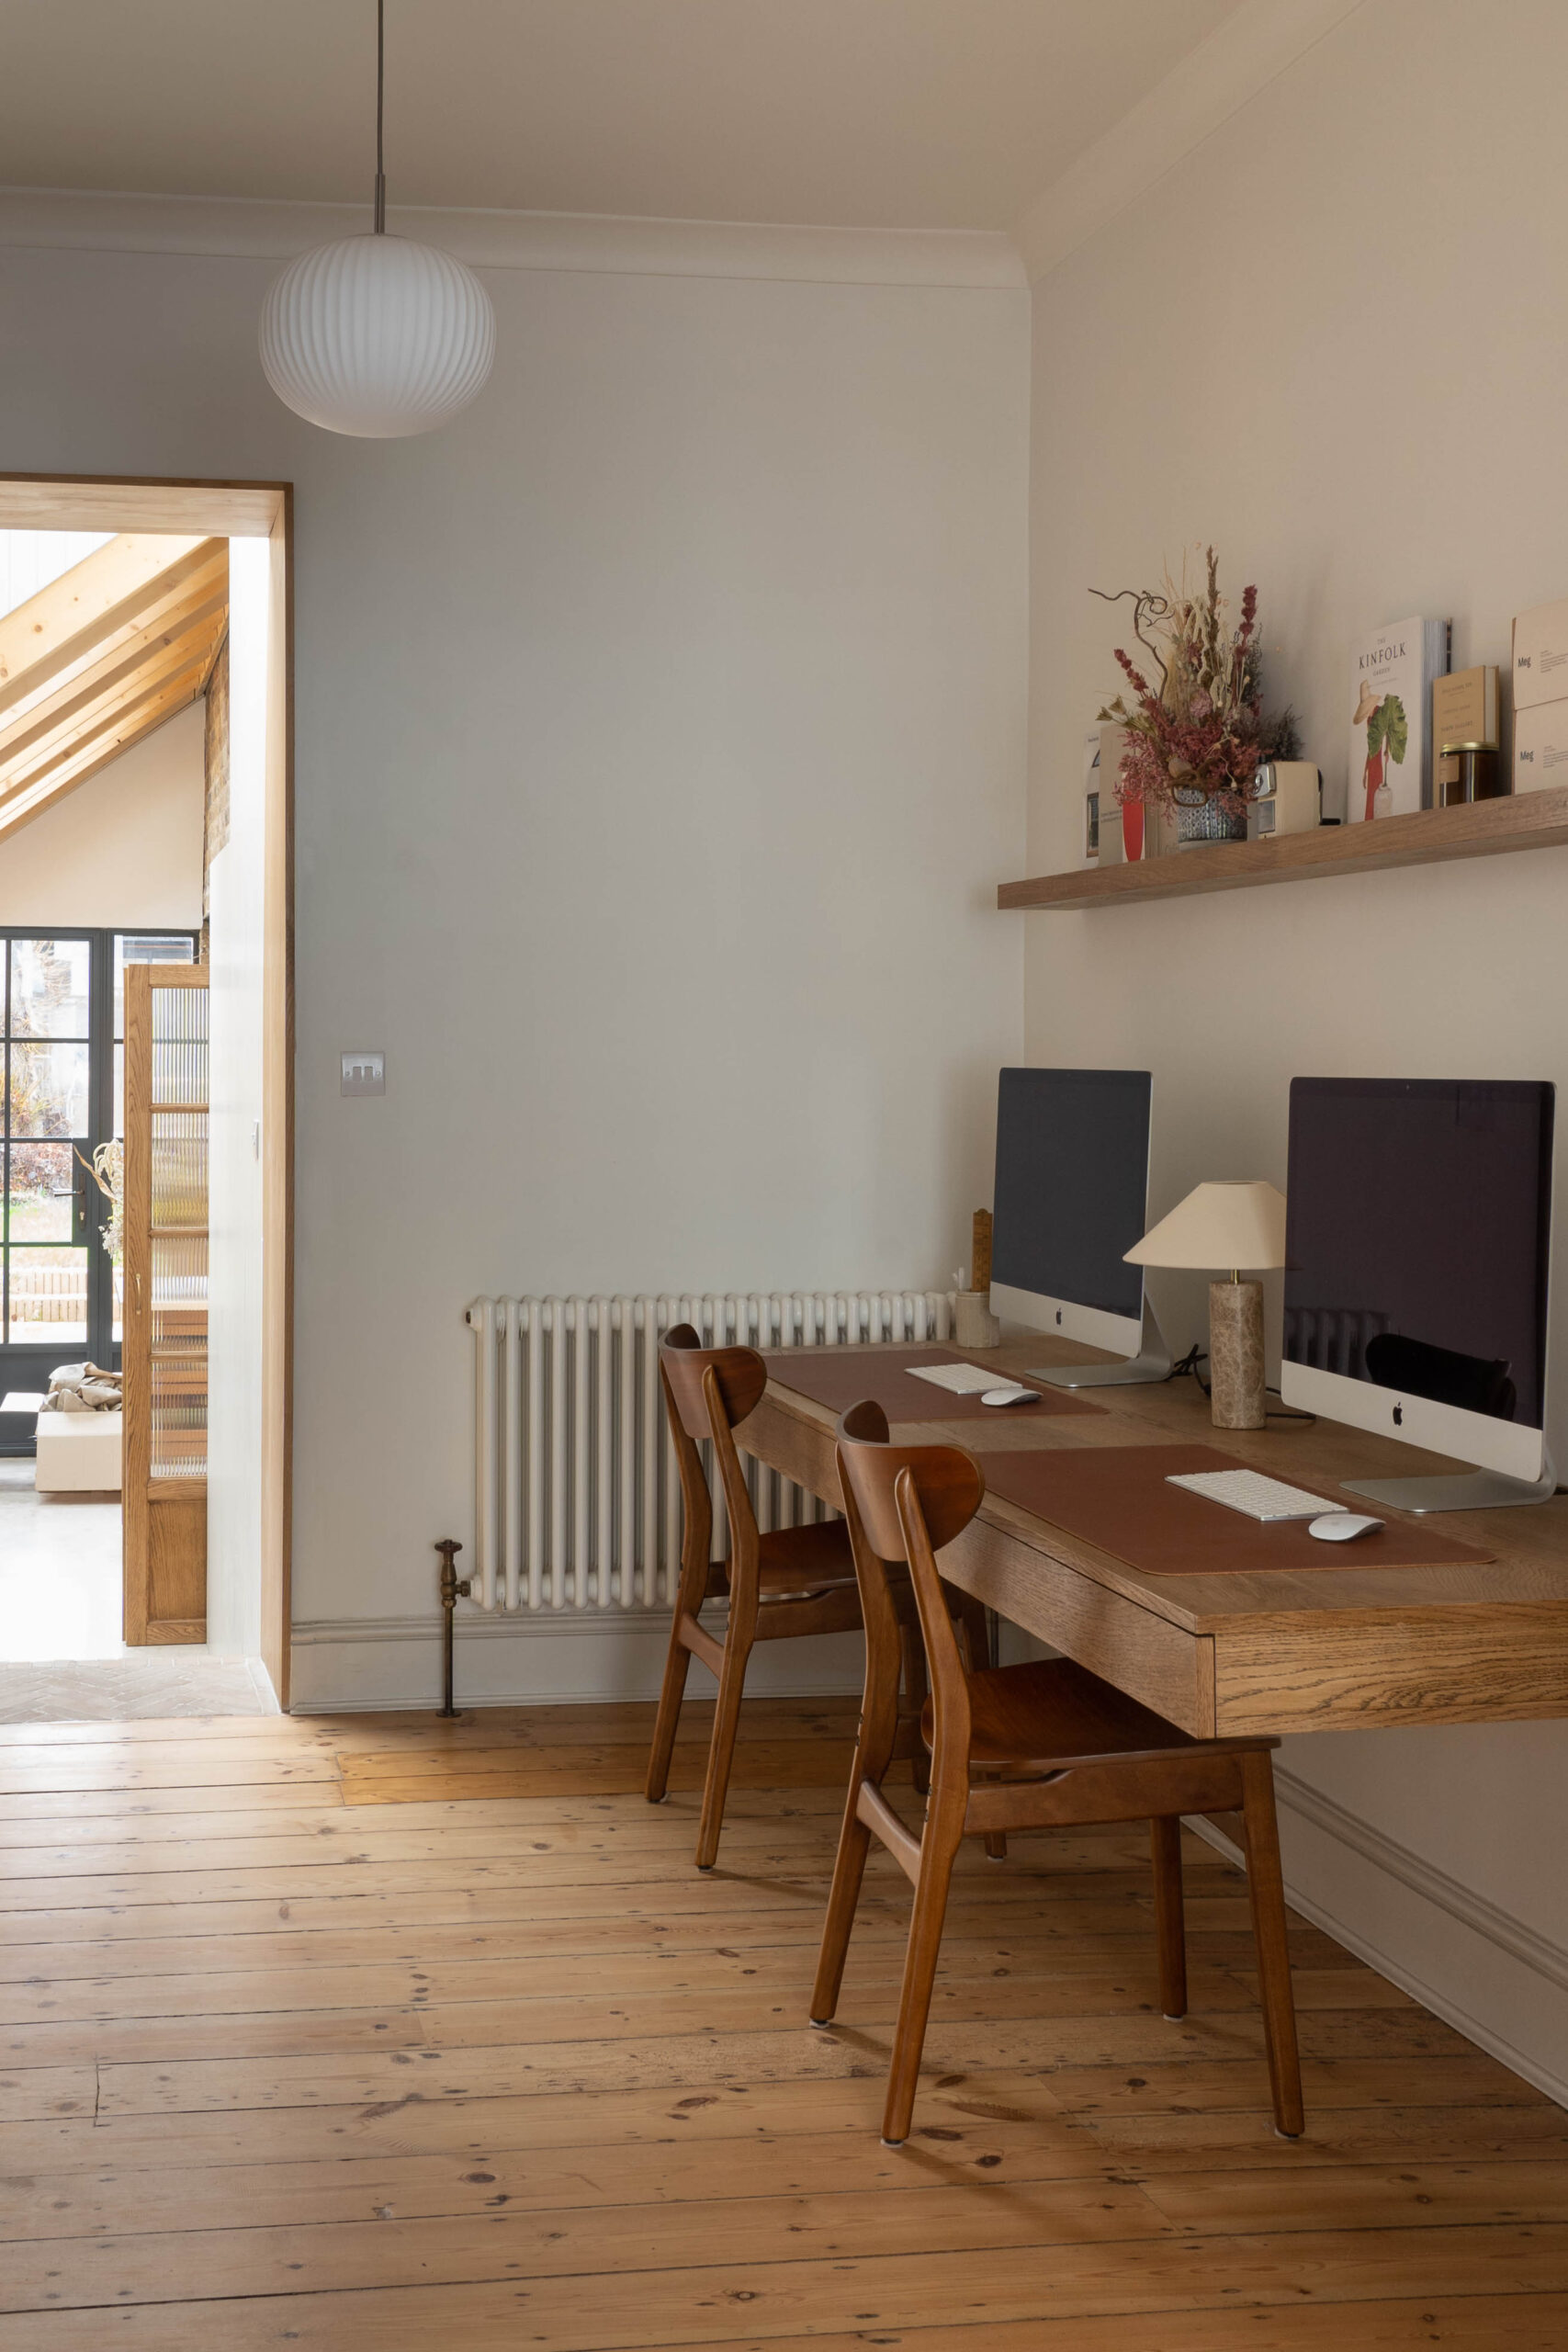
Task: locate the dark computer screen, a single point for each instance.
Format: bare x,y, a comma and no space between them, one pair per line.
1072,1179
1417,1231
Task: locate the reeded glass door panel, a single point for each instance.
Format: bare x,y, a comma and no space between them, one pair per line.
177,1189
135,947
139,947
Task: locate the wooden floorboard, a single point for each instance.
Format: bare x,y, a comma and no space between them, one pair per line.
382,2032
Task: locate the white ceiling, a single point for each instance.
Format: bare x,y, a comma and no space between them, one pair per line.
863,113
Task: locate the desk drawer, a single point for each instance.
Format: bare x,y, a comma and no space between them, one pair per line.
1477,1666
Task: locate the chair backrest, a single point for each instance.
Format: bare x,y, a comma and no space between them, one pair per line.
706,1392
903,1503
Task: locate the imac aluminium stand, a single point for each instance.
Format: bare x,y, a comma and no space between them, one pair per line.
1457,1490
1153,1362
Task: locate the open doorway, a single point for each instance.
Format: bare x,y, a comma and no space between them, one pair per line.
145,1111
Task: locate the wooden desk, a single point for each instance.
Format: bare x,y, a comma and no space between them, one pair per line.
1337,1649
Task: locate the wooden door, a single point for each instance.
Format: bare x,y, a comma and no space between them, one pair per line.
165,1257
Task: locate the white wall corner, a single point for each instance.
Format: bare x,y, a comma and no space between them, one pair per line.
253,229
1486,1974
1242,56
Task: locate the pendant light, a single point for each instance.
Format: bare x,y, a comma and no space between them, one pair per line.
376,335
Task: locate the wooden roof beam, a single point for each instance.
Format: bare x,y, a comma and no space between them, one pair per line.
69,621
190,651
144,719
112,678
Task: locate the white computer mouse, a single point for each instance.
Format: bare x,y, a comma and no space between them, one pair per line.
1339,1526
1009,1396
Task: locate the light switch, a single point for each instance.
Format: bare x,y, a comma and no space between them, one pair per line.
364,1073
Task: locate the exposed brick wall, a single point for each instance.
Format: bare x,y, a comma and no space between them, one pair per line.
215,824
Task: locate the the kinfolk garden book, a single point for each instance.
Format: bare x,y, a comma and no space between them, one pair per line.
1391,733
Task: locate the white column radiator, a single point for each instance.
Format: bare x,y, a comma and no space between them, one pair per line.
577,1501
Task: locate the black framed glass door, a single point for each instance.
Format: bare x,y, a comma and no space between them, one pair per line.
62,1020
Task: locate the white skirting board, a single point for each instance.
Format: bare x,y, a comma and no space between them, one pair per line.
359,1664
1491,1978
355,1666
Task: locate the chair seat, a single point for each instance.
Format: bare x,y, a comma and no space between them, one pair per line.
1050,1714
810,1558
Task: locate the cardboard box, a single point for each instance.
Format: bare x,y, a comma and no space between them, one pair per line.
1540,746
1464,707
1541,655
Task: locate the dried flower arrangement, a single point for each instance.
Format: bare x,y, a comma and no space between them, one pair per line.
1199,735
107,1169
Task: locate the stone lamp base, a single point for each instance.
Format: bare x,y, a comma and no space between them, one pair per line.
1235,1355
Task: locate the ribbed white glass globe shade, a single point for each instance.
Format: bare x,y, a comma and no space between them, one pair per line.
376,335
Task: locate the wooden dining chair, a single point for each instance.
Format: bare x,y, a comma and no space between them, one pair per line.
789,1582
1047,1745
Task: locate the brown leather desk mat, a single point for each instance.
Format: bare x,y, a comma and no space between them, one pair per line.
840,1376
1116,1498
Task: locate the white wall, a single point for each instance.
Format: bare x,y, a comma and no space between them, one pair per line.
234,1283
124,848
1332,341
659,739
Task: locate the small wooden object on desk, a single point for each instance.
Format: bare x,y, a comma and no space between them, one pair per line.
973,1325
1236,1226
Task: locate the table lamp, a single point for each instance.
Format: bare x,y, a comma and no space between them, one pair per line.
1234,1225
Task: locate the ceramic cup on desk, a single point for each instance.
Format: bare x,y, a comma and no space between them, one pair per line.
973,1325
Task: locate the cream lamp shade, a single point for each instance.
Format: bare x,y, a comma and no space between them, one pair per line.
1218,1224
376,335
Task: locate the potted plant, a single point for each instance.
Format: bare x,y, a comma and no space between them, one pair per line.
1196,736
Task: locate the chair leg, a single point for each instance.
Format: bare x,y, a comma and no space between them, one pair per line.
1266,1888
974,1641
939,1850
1170,1924
671,1694
912,1650
974,1631
849,1869
721,1750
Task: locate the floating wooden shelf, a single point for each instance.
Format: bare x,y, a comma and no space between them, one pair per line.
1535,820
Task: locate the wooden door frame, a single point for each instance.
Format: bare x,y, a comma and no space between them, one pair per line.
240,510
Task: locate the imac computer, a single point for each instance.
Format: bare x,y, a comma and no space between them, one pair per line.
1418,1227
1072,1189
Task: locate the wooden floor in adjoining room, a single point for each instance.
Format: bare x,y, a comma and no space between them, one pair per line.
384,2035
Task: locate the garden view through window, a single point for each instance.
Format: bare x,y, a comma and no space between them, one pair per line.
62,1030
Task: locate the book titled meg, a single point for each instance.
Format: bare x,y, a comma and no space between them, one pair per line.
1391,718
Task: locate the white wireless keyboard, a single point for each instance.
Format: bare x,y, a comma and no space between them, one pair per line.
1253,1495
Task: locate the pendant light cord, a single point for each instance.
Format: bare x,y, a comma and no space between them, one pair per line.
380,102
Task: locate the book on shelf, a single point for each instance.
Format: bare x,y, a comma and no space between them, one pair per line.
1464,707
1390,731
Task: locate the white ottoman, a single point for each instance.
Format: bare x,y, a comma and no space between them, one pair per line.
79,1454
